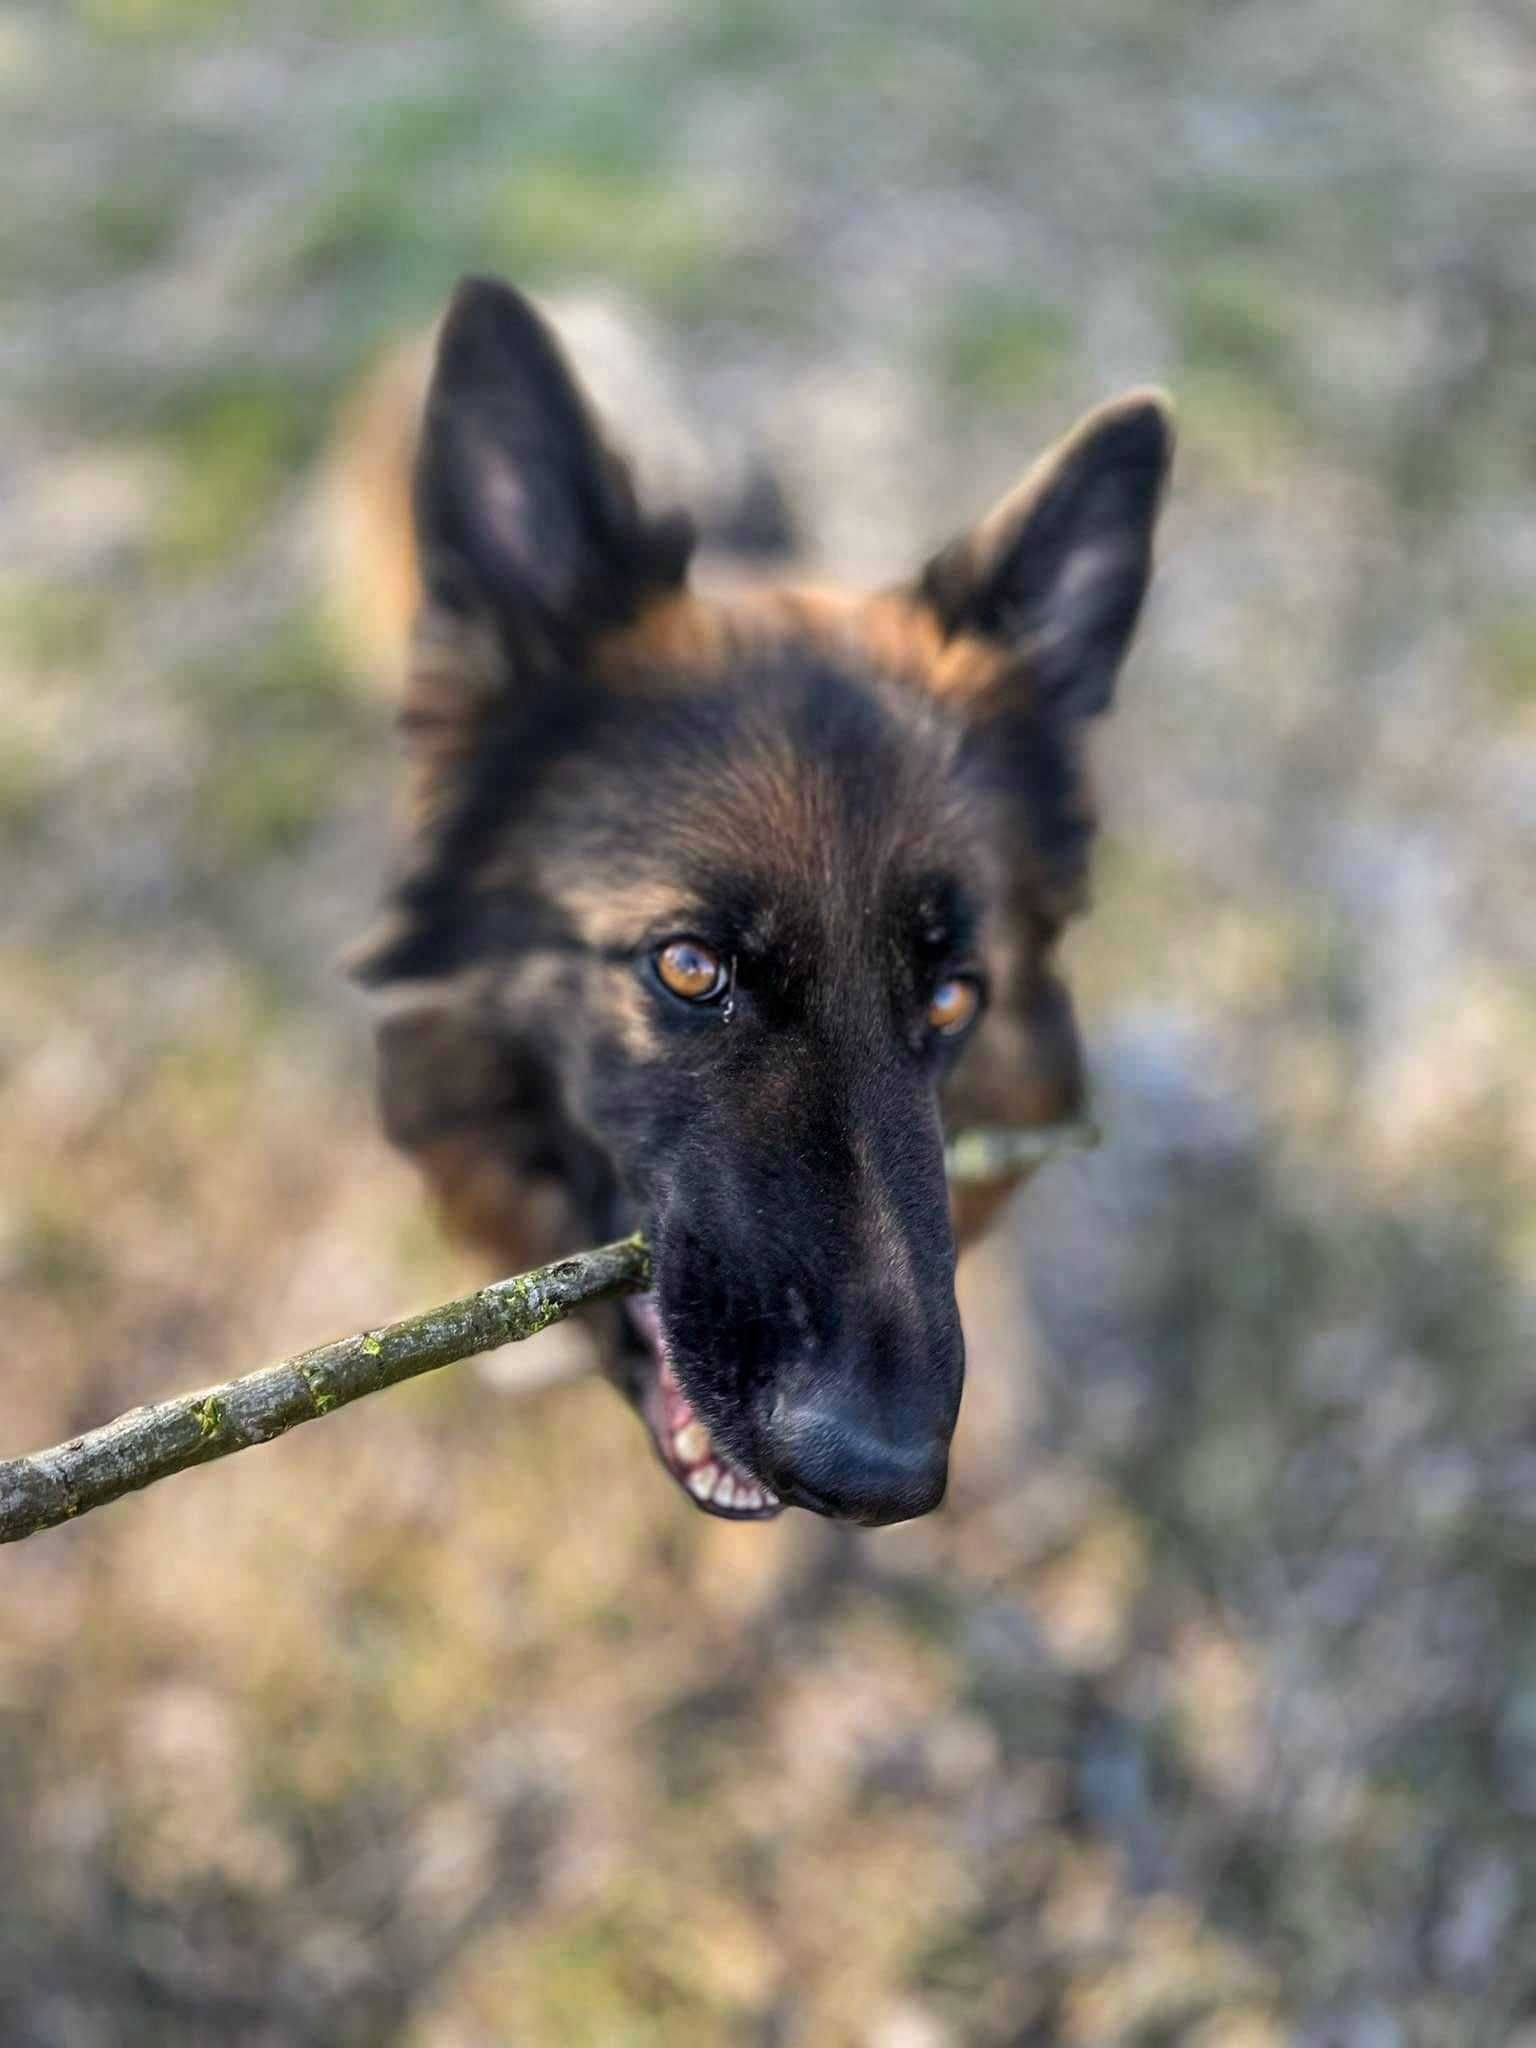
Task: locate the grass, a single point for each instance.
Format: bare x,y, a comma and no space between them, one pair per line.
1504,657
49,626
1238,318
125,228
284,728
999,349
234,447
542,176
652,234
130,21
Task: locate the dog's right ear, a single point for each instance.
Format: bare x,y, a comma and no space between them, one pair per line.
524,514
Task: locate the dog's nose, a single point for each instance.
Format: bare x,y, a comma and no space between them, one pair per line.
837,1466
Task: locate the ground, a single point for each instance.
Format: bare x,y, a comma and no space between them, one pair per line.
1206,1712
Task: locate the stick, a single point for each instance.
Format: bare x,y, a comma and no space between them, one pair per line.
147,1444
48,1487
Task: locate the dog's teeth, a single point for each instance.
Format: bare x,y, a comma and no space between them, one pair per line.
691,1443
701,1483
725,1492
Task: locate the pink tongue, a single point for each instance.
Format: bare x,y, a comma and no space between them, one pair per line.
676,1410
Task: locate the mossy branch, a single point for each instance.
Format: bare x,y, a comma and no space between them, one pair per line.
147,1444
58,1485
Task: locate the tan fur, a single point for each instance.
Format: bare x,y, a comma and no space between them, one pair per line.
686,641
518,1221
903,639
366,489
611,914
629,1014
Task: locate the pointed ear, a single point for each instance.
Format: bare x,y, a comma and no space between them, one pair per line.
522,508
1060,568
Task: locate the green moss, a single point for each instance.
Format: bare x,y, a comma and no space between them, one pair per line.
209,1416
321,1397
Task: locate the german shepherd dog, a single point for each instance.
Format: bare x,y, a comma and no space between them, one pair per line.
716,913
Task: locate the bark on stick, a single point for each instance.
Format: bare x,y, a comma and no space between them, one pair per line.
147,1444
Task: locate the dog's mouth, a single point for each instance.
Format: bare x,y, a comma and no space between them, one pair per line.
710,1478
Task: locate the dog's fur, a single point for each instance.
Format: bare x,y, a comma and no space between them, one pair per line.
851,799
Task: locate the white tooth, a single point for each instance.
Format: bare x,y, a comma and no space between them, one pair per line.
725,1492
701,1484
748,1496
691,1442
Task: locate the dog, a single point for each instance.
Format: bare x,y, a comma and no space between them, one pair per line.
715,914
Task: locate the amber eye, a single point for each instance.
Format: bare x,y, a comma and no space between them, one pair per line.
954,1005
691,971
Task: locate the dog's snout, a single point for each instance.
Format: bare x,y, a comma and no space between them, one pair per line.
810,1307
838,1465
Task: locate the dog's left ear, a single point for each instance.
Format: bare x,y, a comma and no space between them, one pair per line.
1059,569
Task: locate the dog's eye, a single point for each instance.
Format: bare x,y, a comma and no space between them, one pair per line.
691,971
954,1005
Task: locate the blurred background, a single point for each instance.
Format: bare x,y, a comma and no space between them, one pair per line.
1206,1711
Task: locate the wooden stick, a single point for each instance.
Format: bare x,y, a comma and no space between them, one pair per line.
147,1444
48,1487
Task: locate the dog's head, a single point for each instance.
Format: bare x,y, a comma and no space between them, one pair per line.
718,913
